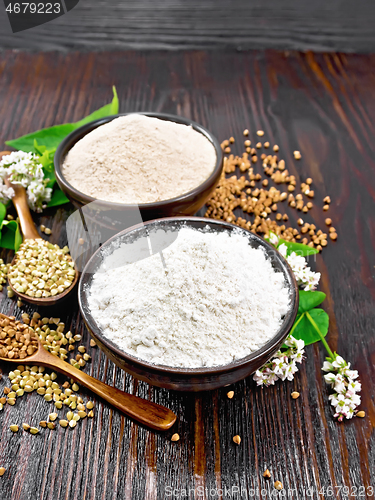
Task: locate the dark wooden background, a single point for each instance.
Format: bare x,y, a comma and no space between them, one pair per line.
319,25
322,105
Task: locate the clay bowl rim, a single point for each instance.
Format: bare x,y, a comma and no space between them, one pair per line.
281,334
69,141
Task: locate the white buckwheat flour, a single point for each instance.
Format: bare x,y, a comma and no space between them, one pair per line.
139,159
214,300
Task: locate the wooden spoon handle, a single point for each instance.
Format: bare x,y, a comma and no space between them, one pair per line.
146,412
20,202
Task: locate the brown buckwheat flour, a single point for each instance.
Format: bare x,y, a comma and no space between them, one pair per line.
139,159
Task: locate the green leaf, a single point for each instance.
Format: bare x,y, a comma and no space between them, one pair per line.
10,235
46,160
304,329
51,137
115,105
39,148
298,248
17,238
52,178
3,211
58,198
309,300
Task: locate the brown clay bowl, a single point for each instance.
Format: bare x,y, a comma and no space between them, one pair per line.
188,379
188,203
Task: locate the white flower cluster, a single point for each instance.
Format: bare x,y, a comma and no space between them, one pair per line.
304,276
340,377
24,169
342,380
283,366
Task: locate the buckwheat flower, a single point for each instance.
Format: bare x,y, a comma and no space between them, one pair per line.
345,397
38,194
278,366
354,386
283,365
339,362
327,367
265,377
354,401
330,378
304,276
273,239
6,193
25,170
297,344
289,372
339,386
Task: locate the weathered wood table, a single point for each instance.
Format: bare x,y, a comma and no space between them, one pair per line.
322,105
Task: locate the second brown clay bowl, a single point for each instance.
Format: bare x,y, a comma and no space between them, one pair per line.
188,203
187,379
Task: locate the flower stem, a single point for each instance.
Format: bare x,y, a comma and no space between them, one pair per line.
320,335
295,324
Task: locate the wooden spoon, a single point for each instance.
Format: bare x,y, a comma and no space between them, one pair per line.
146,412
29,231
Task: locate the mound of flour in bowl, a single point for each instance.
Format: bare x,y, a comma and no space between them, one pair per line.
139,159
208,299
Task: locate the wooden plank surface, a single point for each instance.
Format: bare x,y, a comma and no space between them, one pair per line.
338,25
322,105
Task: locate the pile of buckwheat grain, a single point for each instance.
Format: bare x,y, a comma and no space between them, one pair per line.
41,269
17,341
247,199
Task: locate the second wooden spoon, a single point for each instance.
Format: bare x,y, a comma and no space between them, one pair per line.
146,412
29,231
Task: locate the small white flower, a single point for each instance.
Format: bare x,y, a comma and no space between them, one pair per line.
258,377
304,276
345,398
289,372
333,399
23,169
344,410
6,193
278,366
298,356
350,413
339,362
355,401
354,386
340,387
273,239
352,374
283,249
330,378
283,365
327,366
300,345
